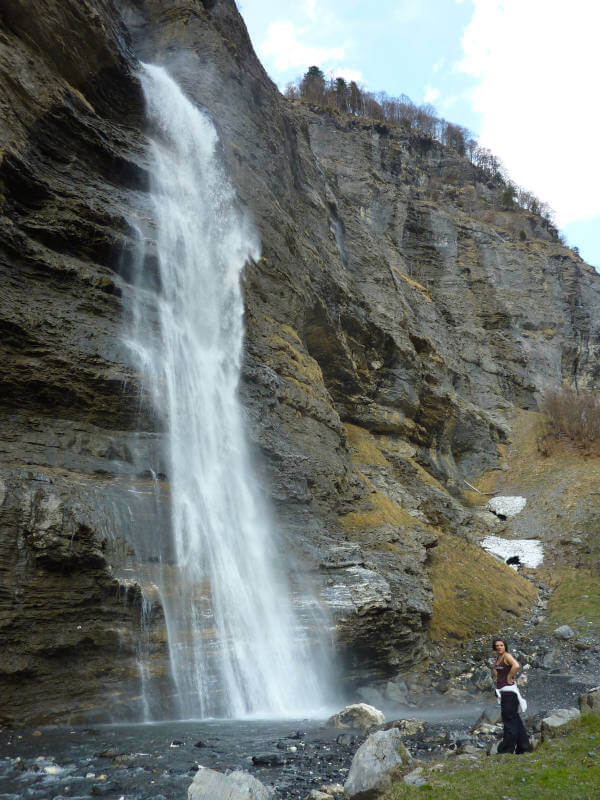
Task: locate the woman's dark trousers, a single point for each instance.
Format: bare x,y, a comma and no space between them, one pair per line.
515,736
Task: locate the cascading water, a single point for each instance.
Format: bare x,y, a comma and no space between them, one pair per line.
236,647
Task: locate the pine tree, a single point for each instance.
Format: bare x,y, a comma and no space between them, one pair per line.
341,94
312,87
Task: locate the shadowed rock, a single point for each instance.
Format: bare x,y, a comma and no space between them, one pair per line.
211,785
375,765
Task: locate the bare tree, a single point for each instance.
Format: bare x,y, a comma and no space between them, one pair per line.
291,91
423,120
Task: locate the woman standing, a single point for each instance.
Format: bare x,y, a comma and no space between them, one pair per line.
515,738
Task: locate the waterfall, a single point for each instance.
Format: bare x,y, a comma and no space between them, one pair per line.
236,645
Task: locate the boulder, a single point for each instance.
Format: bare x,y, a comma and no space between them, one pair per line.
410,726
211,785
563,632
553,724
589,703
454,668
270,759
358,715
375,765
482,678
347,739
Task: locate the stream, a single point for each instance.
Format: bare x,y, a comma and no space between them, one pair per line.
156,761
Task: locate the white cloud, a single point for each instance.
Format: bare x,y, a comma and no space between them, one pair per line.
536,66
284,50
407,11
310,7
347,73
431,94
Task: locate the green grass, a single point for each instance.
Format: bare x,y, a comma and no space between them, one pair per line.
473,592
560,768
575,602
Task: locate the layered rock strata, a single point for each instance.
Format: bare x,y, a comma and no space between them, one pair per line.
395,317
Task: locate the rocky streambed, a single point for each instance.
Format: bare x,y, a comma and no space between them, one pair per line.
158,761
155,761
443,710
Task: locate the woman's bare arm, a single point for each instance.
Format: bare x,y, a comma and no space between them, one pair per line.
514,667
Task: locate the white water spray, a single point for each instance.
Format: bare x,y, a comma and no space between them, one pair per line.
236,647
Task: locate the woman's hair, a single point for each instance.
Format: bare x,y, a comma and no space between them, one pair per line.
499,639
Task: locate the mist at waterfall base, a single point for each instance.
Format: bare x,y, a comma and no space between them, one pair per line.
246,638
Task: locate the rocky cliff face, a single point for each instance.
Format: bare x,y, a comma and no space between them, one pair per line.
395,318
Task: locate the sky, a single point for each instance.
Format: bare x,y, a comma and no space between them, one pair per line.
521,74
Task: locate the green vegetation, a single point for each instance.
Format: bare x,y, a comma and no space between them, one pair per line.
380,511
575,602
565,767
474,594
364,447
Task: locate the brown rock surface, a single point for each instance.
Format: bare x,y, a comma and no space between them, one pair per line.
393,320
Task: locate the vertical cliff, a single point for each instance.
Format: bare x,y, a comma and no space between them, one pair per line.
394,319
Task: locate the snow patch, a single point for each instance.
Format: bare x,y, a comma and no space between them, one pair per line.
530,552
506,506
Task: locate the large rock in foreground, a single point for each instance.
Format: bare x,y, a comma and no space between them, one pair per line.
375,764
358,715
238,785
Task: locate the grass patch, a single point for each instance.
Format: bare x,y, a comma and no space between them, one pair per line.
382,511
560,768
415,284
364,448
299,364
474,594
575,602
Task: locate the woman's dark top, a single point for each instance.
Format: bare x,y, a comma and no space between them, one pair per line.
502,671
